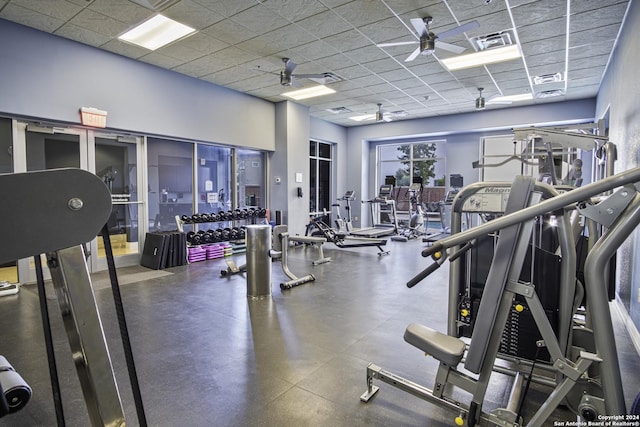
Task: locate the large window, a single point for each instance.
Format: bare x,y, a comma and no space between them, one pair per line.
170,182
251,178
320,176
214,178
404,162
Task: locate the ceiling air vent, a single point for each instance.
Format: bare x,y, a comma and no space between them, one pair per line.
339,110
502,38
546,78
157,5
550,93
327,78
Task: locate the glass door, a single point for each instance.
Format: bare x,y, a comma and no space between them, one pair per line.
39,147
117,161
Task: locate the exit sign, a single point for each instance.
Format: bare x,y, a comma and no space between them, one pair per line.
93,117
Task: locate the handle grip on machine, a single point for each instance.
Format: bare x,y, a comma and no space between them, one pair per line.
436,247
424,273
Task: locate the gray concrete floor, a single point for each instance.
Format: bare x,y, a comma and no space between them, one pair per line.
208,356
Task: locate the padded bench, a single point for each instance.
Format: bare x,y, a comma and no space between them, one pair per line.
317,242
444,348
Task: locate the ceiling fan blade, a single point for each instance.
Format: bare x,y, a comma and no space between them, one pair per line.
420,26
289,65
459,30
396,43
413,55
450,47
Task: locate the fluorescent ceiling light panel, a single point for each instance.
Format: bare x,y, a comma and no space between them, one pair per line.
510,98
309,92
483,57
364,117
156,32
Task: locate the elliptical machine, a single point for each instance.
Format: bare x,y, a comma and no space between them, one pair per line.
415,227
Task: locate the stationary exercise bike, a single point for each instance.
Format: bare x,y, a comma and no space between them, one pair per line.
344,225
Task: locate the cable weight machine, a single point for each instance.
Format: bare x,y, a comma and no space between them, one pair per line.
65,209
570,367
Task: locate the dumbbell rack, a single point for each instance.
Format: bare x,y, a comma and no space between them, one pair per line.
235,234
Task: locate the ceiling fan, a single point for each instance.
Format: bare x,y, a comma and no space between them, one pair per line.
429,41
287,77
380,116
480,101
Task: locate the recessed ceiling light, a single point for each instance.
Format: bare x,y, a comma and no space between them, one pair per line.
364,117
309,92
510,98
484,57
156,32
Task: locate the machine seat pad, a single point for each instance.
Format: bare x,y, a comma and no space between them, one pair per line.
442,347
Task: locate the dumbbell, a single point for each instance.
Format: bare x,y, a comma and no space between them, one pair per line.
190,236
217,235
186,219
213,217
242,233
233,234
195,218
226,233
204,217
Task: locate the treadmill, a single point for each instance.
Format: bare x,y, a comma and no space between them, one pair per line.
386,210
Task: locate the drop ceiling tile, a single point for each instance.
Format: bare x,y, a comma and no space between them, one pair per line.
284,38
592,61
190,13
549,58
489,24
325,24
385,30
538,47
382,88
334,62
586,38
81,35
227,8
122,10
352,72
295,10
202,66
160,60
230,32
597,48
537,12
542,30
381,65
30,17
360,13
600,17
124,49
587,5
202,42
314,50
365,54
466,11
97,22
346,41
260,19
59,9
180,52
589,81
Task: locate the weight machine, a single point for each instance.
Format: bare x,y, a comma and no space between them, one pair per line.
65,209
584,377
